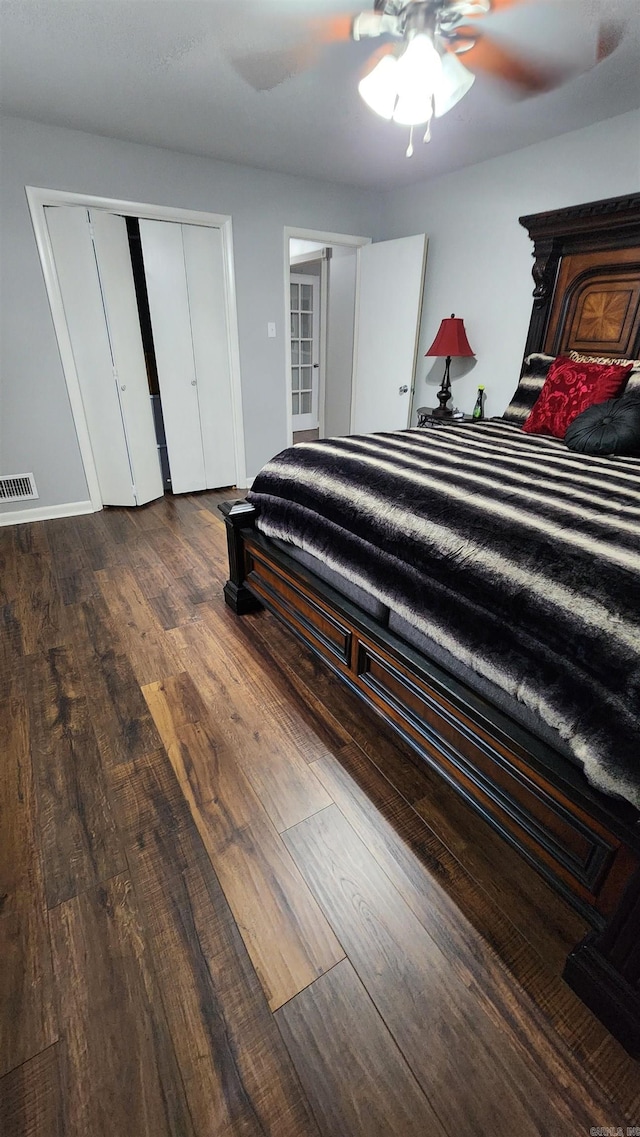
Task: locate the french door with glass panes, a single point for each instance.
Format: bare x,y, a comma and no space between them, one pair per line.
305,338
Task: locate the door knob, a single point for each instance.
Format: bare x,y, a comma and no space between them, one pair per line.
193,382
123,387
403,390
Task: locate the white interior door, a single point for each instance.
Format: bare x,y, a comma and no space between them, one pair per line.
77,273
388,322
184,270
340,342
305,347
204,264
119,297
164,267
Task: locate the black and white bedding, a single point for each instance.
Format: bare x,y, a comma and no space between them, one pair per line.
519,557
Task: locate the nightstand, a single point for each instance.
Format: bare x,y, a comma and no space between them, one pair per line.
426,417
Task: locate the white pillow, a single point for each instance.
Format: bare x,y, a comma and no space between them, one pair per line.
632,386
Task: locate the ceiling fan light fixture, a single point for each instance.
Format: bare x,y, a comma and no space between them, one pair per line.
414,110
455,81
418,74
472,8
402,88
379,88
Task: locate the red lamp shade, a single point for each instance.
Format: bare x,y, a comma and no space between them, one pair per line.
451,339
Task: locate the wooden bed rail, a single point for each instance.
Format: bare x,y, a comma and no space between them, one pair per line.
585,843
604,971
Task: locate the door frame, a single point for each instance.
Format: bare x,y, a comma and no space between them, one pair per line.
37,199
324,238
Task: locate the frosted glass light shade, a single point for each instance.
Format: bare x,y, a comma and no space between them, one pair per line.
419,83
379,88
417,75
414,109
455,81
418,64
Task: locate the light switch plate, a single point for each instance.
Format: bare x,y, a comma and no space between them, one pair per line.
271,331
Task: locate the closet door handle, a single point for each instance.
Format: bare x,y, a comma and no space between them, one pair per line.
193,382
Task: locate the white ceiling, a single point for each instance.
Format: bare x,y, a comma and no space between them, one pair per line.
159,72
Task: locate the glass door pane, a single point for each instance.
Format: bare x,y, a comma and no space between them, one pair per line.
305,311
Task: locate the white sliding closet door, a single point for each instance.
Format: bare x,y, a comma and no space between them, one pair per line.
119,294
80,287
184,270
96,283
164,269
203,258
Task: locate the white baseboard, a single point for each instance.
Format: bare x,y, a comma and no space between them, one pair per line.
46,512
248,482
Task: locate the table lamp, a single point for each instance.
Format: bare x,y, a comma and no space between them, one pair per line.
450,341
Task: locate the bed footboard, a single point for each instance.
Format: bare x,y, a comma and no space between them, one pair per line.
586,844
604,970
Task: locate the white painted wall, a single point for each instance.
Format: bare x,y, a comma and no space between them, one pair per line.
477,265
297,246
308,268
36,427
479,258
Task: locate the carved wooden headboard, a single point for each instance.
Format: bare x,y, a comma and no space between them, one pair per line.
587,279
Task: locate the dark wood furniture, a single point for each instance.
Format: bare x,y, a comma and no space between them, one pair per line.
587,298
428,417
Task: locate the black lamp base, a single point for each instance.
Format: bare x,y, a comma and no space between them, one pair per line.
444,394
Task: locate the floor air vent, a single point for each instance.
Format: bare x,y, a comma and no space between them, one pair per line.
17,487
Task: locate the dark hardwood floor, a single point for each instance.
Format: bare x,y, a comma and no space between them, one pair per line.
230,901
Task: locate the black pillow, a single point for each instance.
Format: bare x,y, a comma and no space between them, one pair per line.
607,428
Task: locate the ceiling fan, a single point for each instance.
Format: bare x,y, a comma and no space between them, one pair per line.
428,58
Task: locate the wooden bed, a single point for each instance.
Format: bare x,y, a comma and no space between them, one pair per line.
587,844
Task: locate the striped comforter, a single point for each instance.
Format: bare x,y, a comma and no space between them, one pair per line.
519,556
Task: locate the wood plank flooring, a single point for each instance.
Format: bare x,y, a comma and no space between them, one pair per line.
230,901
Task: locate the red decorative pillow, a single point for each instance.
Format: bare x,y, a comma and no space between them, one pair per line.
571,387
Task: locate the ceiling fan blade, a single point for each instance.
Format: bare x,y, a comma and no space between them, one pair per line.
376,56
478,8
486,54
482,53
268,69
332,29
502,5
265,70
610,37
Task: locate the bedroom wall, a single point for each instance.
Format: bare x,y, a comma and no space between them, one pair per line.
36,426
478,265
479,259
